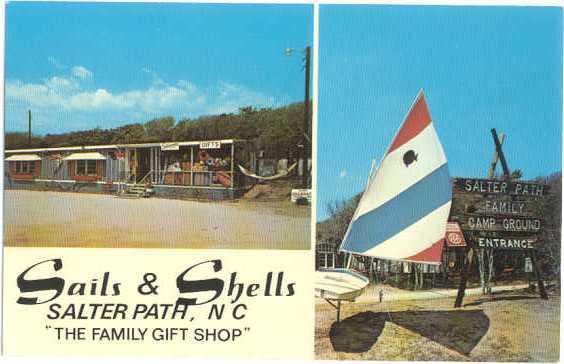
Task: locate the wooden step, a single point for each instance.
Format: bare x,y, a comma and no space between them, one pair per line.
134,191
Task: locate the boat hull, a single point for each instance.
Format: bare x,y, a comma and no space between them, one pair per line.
339,284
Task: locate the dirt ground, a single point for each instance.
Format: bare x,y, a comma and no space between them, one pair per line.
38,218
509,326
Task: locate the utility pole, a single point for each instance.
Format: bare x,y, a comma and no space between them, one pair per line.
304,142
306,118
29,128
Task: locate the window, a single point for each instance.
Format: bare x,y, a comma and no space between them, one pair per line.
86,168
25,167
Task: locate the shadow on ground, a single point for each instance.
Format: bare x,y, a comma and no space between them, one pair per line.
357,333
495,299
457,330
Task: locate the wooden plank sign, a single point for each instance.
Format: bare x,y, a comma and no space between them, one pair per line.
500,223
505,205
498,214
511,243
499,187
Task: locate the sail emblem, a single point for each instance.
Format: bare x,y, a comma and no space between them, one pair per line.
403,212
409,157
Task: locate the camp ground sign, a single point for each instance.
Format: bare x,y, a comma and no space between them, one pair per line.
499,214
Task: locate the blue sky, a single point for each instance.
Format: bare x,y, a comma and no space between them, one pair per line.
91,65
480,67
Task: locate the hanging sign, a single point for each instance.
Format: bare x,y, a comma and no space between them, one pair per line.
212,144
454,236
170,146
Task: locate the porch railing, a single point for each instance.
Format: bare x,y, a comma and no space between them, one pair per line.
195,178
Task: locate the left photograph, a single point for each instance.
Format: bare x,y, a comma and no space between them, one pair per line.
146,125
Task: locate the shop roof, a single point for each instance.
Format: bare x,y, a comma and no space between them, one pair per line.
23,158
85,156
117,146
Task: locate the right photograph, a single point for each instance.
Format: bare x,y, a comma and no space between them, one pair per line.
439,183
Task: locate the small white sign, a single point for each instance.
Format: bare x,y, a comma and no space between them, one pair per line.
170,146
528,265
300,193
210,145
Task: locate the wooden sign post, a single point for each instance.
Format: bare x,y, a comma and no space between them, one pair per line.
498,215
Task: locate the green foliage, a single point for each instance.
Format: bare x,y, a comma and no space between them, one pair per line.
516,174
550,239
159,129
277,131
20,141
333,229
127,134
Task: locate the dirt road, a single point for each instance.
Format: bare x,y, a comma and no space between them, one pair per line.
33,218
511,326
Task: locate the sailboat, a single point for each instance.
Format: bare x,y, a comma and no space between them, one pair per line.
402,214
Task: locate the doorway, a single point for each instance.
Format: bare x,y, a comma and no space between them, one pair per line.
143,163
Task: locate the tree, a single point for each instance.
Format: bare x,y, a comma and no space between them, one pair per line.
133,133
278,131
516,174
159,129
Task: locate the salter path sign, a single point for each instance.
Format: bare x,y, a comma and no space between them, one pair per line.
498,214
497,187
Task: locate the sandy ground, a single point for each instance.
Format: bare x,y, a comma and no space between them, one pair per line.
508,326
37,218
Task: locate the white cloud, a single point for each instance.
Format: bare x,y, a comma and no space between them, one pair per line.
61,85
343,173
81,72
68,94
69,98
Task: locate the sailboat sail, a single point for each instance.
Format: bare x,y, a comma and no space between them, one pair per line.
403,212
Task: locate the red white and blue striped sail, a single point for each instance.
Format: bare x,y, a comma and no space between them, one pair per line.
403,212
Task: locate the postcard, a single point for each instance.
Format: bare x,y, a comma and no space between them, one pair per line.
314,181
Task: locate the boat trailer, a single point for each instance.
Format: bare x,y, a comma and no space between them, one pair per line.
336,304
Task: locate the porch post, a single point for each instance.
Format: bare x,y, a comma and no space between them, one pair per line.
232,163
152,161
191,165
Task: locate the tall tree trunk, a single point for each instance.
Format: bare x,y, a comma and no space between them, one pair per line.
481,267
490,270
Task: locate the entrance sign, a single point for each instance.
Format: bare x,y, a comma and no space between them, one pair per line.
510,209
498,214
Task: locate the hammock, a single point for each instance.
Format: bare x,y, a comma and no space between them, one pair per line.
276,176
